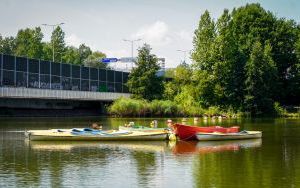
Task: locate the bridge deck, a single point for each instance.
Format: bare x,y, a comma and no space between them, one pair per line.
29,93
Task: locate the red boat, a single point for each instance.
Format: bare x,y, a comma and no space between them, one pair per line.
186,132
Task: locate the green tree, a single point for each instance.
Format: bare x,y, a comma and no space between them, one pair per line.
58,42
260,74
84,52
143,81
7,45
228,69
29,43
71,55
94,60
181,76
203,40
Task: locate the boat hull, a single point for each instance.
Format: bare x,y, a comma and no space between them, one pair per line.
64,136
228,136
186,132
143,129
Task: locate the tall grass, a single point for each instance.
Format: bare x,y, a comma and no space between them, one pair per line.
124,107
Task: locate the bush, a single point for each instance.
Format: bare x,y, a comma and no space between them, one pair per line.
279,110
128,107
123,107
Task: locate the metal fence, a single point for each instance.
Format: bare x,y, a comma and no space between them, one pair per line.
32,73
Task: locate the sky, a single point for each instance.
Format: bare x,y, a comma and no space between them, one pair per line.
167,25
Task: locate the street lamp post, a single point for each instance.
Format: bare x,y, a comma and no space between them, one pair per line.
184,54
53,27
132,42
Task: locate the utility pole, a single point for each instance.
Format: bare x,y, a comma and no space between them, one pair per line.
53,27
132,42
184,54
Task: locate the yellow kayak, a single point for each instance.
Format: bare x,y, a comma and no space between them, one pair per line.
93,135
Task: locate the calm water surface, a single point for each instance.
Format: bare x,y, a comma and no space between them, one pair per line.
273,161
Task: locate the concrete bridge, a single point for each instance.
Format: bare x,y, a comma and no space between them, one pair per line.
30,93
44,87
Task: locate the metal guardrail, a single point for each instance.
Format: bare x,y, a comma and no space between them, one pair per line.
29,93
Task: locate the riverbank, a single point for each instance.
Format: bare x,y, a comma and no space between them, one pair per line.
166,108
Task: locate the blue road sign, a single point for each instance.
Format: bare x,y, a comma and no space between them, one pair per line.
109,60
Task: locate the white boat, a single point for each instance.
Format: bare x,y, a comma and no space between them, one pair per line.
143,128
228,136
94,135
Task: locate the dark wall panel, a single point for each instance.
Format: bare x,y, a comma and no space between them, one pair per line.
33,66
45,81
59,76
21,64
66,83
75,71
55,69
118,76
85,85
76,84
102,75
110,76
8,62
111,87
45,67
85,73
8,78
66,70
33,80
94,74
21,79
55,82
102,87
94,85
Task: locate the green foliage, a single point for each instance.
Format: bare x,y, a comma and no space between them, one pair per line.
143,82
93,60
163,108
203,41
124,107
279,110
128,107
7,45
71,55
170,90
260,76
58,42
245,61
84,52
29,43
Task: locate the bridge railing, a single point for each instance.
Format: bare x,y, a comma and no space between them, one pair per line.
24,72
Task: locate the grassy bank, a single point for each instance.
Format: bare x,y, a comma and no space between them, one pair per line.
124,107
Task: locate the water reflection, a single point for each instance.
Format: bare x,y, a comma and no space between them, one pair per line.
271,162
194,147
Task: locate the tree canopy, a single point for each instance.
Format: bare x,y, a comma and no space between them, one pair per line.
28,43
245,60
143,81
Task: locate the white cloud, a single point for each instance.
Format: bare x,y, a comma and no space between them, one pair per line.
117,53
73,40
156,34
185,35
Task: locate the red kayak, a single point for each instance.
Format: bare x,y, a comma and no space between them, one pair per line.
186,132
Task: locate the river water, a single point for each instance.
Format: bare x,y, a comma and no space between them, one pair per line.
273,161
